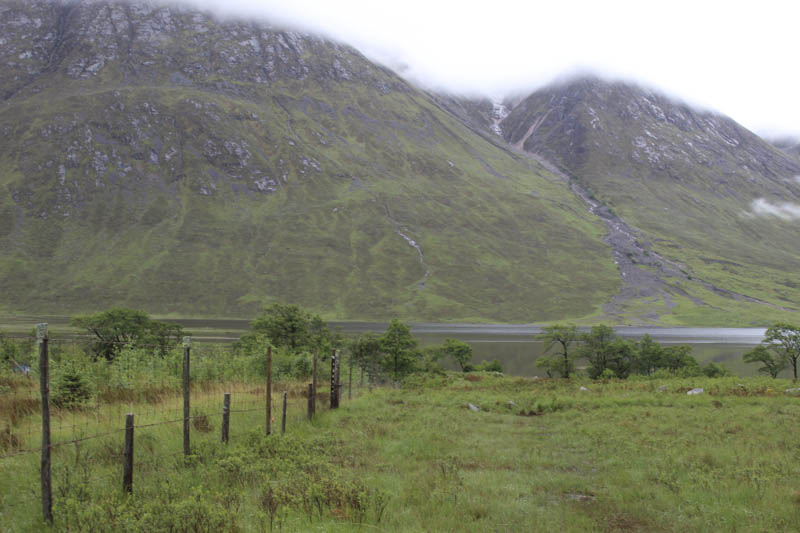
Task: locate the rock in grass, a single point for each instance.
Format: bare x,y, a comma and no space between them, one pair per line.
662,388
511,403
584,389
473,407
695,391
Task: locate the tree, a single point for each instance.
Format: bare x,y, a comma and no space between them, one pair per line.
119,327
563,336
677,357
400,348
459,351
292,327
773,364
365,349
605,351
286,325
650,356
784,340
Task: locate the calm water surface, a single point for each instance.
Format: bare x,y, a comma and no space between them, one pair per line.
514,345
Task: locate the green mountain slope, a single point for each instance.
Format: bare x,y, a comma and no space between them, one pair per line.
161,158
710,207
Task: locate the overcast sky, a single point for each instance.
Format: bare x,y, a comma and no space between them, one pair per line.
739,58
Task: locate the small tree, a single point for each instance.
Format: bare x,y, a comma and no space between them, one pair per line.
650,356
365,349
676,357
400,349
116,328
604,350
459,351
784,340
285,325
773,365
292,327
562,336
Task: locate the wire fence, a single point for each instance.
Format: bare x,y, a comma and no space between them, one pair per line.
63,416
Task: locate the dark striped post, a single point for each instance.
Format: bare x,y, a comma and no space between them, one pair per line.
334,403
314,381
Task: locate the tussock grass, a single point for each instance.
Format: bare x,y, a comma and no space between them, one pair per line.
539,454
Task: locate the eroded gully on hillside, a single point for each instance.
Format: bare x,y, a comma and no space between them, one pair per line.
644,272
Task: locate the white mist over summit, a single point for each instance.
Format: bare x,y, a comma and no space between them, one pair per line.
733,58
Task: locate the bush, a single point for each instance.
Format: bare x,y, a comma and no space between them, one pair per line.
490,366
713,370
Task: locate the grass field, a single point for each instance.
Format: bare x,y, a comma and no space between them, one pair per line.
539,455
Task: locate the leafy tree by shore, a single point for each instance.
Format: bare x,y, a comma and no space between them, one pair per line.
784,340
779,349
119,327
459,351
562,335
291,327
610,356
400,349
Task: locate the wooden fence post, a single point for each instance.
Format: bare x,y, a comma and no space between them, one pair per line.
310,400
283,415
127,468
269,390
44,387
314,382
350,381
226,416
187,347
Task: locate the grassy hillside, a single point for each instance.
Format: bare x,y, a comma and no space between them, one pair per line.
281,167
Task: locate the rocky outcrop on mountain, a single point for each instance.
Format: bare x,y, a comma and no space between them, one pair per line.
709,199
567,123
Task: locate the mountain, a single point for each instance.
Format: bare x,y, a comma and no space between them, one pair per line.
166,159
701,212
790,145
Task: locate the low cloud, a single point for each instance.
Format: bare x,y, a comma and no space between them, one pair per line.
783,210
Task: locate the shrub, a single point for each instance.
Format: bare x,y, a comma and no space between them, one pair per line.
490,366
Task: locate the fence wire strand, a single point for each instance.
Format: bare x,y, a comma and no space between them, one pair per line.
91,397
